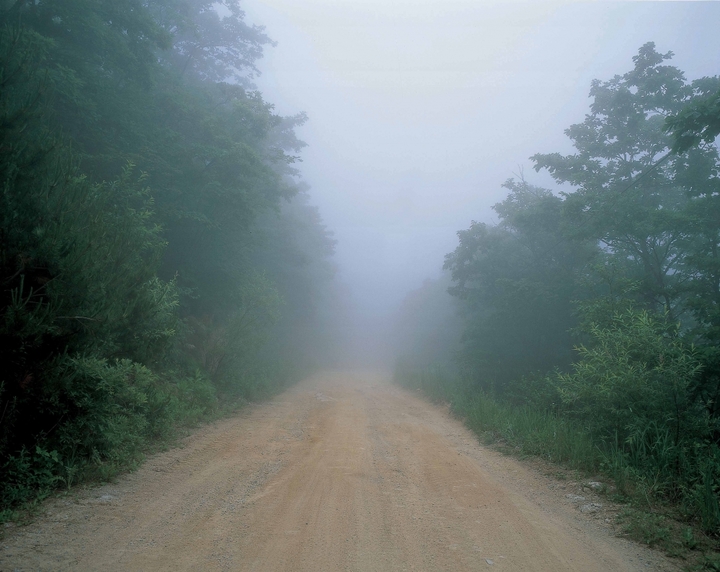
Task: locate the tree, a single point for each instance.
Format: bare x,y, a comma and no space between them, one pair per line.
699,121
651,199
518,280
626,196
211,40
79,294
157,251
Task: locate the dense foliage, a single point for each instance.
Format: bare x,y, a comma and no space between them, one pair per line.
159,258
600,305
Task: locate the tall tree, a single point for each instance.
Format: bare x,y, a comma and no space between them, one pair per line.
631,194
518,280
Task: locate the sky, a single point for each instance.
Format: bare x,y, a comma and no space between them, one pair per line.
420,109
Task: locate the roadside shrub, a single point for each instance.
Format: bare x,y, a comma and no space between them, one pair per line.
191,398
91,418
632,377
29,476
704,496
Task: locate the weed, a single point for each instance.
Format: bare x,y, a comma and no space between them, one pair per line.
647,528
688,539
710,562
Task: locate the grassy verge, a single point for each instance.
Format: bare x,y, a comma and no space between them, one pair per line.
527,431
142,414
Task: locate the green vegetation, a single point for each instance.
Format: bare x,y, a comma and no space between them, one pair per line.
591,323
524,429
159,260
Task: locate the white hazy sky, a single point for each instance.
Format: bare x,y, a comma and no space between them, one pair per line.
420,109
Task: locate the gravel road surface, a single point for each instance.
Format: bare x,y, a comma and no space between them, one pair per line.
342,472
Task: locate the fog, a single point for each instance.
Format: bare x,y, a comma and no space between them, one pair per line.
420,109
165,261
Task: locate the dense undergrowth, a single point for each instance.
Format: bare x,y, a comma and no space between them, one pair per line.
160,263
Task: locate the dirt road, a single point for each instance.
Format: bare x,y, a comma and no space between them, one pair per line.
342,472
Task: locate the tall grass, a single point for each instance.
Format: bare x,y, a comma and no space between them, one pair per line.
526,429
648,468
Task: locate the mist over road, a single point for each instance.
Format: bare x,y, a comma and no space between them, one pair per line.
342,472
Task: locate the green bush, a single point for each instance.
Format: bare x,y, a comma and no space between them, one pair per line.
705,494
634,375
29,476
191,398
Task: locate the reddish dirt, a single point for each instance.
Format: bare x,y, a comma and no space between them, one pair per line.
342,472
